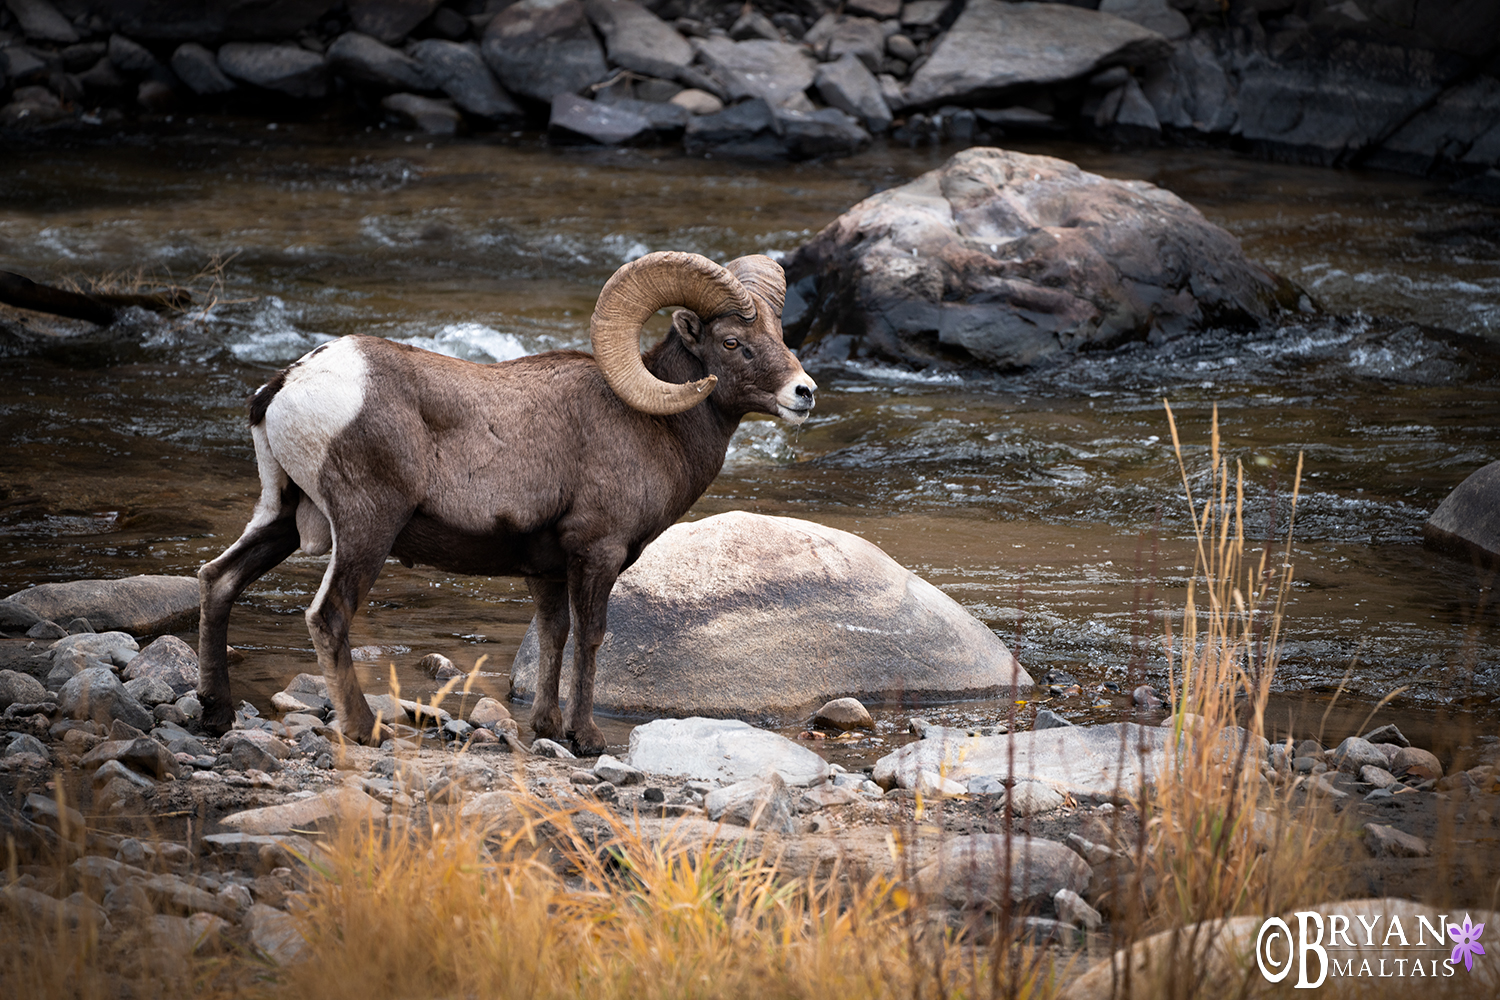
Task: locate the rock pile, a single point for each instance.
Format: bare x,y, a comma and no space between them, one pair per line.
1404,86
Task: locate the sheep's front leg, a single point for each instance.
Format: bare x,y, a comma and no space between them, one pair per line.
589,584
551,600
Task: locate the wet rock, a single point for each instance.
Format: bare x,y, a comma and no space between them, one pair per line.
460,72
746,130
775,72
1154,15
825,132
759,803
549,748
425,114
1106,761
347,804
284,68
685,623
117,648
1381,839
618,772
139,605
667,119
970,872
637,39
40,20
850,87
390,20
197,67
1417,763
836,37
1192,90
997,47
1048,719
575,119
721,749
438,667
275,935
361,59
697,102
1467,522
844,714
542,48
19,688
1014,259
97,694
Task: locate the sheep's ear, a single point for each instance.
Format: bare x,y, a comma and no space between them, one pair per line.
688,326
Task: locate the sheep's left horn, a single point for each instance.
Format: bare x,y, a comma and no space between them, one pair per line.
628,299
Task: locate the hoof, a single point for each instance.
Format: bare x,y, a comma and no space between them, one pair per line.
590,745
218,716
548,725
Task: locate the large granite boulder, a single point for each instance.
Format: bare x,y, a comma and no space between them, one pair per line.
638,40
542,48
775,72
1010,259
997,48
743,614
1467,522
140,605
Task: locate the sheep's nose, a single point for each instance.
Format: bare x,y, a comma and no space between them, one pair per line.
805,392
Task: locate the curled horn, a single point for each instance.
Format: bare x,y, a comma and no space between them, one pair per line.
762,278
631,296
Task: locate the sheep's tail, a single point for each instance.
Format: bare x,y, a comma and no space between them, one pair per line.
261,400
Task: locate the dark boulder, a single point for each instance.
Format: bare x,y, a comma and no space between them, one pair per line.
362,59
40,20
139,605
389,20
1009,259
1467,522
286,69
826,132
427,114
169,660
207,23
575,120
542,48
197,67
775,72
458,70
637,39
746,131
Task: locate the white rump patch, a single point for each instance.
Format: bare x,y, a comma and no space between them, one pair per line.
322,395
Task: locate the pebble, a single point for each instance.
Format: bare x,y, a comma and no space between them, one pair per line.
617,772
549,748
844,714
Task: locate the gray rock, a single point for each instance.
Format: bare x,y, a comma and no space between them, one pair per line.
275,935
821,133
746,130
994,48
457,729
256,737
117,648
141,754
190,707
1192,89
637,39
425,114
390,20
819,613
879,9
775,72
1072,909
487,712
575,119
246,756
1372,774
1467,522
844,714
1354,753
80,626
361,59
25,743
150,691
139,605
758,803
970,872
1094,854
924,13
1154,15
17,617
618,772
550,748
197,67
112,769
97,694
722,750
284,68
1027,798
1048,719
1381,839
1016,259
438,667
666,119
836,37
850,87
542,48
46,630
753,24
349,804
1416,762
1106,761
1134,109
169,660
18,688
305,693
1387,734
40,20
901,47
129,56
697,102
459,71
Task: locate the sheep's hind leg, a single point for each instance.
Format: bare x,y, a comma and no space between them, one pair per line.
590,592
551,600
264,544
351,572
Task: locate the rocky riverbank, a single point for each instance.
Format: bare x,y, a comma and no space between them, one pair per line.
1405,86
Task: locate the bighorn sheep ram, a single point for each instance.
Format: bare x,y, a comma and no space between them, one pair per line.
558,467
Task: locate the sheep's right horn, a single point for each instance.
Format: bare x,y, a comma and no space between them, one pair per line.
640,288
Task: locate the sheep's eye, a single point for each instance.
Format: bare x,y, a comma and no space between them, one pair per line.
730,343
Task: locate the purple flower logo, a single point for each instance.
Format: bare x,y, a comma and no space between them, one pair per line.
1467,936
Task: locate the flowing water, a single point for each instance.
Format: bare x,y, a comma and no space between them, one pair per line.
1048,503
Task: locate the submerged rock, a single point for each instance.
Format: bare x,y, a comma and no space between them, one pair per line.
139,605
1467,522
742,613
1010,259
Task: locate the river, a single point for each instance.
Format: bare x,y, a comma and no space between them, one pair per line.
1048,503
